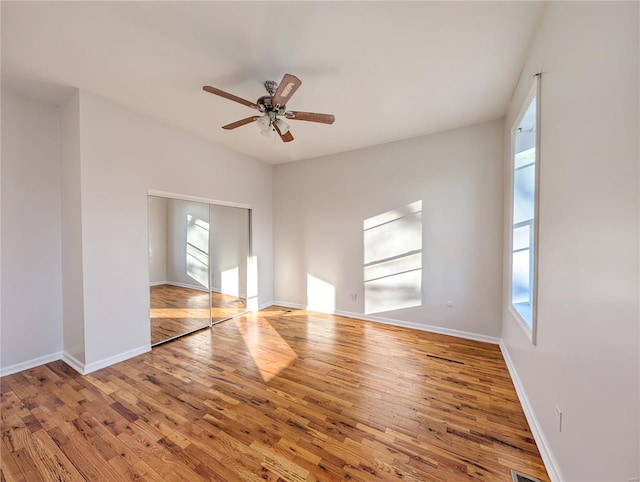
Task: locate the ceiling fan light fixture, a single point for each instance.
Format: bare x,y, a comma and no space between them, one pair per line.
264,123
282,125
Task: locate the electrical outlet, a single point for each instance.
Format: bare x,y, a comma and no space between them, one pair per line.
559,414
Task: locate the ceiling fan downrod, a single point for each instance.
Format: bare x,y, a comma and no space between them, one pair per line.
271,87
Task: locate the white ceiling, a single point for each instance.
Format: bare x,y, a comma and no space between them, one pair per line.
387,70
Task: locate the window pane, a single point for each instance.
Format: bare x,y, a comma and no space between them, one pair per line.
523,194
527,156
520,286
521,237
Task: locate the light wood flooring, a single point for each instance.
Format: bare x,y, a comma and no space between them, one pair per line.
276,396
177,310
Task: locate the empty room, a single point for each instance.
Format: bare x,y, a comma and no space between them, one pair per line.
320,241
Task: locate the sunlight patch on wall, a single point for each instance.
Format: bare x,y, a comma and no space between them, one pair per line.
393,259
230,281
197,250
321,295
252,284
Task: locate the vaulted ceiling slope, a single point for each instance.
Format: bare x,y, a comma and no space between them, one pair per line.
387,70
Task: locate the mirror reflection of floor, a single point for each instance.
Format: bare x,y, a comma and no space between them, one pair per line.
225,306
176,310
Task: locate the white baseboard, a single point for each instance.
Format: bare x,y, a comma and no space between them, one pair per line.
157,283
187,285
419,326
403,324
86,368
550,462
26,365
219,291
266,305
73,362
286,304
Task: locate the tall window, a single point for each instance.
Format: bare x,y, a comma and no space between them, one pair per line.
524,226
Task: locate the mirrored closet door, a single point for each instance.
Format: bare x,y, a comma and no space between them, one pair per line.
229,252
197,265
178,267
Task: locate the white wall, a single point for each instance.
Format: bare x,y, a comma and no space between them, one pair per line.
124,155
71,228
586,359
157,240
320,207
31,270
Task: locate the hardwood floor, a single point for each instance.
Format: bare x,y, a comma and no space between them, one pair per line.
176,310
275,396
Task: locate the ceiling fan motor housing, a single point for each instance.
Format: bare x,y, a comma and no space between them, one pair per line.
265,105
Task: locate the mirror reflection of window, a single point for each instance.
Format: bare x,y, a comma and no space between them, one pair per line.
178,267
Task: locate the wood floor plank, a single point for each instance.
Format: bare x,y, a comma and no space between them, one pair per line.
283,396
10,468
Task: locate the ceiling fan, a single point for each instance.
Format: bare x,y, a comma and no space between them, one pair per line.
273,108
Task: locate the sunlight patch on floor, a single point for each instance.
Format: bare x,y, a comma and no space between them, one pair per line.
270,352
180,313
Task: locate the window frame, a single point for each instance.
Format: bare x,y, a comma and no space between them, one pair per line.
531,332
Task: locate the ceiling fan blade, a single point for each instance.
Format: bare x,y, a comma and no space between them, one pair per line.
286,137
286,88
229,96
310,116
241,122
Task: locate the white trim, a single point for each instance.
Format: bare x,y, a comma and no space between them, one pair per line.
263,306
286,304
403,324
187,197
550,462
73,362
158,283
536,219
526,329
26,365
219,291
187,285
105,362
86,368
422,327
